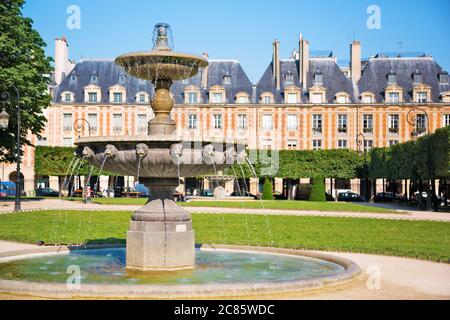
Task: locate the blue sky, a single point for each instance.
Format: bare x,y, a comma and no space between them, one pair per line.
245,29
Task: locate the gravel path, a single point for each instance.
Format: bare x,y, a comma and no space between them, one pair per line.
57,204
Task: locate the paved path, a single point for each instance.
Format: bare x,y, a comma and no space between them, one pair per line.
57,204
383,277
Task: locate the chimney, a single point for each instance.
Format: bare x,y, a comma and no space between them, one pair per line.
276,63
205,72
355,61
61,59
304,62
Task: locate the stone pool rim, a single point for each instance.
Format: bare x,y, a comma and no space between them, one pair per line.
350,274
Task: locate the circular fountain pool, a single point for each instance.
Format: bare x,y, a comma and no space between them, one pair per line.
217,273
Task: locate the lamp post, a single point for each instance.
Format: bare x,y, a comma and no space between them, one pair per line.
413,122
4,124
78,126
361,139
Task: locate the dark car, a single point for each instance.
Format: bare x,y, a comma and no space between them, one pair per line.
385,197
350,197
46,192
207,193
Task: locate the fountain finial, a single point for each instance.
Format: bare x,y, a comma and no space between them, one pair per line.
162,37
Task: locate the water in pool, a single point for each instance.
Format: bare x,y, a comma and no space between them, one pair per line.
107,266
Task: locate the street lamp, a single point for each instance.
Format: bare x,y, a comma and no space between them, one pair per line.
361,139
78,126
414,134
4,124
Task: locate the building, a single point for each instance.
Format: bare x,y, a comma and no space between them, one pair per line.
305,102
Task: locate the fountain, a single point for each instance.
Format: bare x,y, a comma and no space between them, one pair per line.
160,236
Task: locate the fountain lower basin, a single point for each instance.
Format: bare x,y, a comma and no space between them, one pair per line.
222,271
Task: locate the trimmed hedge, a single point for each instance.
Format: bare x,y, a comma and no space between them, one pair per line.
267,190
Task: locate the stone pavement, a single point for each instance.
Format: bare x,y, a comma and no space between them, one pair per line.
57,204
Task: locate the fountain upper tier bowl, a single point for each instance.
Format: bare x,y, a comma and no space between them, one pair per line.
163,65
159,156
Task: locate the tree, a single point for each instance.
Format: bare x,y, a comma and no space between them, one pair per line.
23,64
318,190
267,190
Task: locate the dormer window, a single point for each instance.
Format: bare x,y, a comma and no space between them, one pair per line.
67,96
392,78
217,94
73,77
443,78
417,77
318,78
242,97
117,97
122,78
94,78
289,78
142,98
227,79
92,97
192,97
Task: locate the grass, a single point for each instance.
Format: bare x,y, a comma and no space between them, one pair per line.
273,204
428,240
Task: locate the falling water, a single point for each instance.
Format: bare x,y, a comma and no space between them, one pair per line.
100,172
242,201
138,170
65,177
74,177
266,218
67,182
221,216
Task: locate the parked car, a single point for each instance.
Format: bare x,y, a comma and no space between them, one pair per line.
46,192
244,194
207,193
350,196
385,197
7,189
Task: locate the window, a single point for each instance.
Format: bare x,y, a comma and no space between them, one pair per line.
92,97
341,99
443,78
417,78
393,97
41,141
227,79
291,144
392,142
289,78
267,144
368,144
392,78
121,79
316,98
192,121
318,78
117,97
142,123
242,99
192,97
367,123
67,97
267,99
73,77
292,122
446,120
217,121
421,123
94,78
216,98
93,122
67,142
393,123
292,98
421,97
117,122
317,124
342,123
267,122
142,97
317,144
342,144
242,122
67,122
367,99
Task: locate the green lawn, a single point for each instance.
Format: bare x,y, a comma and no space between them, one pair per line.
277,204
423,239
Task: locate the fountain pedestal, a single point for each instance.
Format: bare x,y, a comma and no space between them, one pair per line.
160,235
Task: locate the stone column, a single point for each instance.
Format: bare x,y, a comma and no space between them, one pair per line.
254,186
278,185
53,182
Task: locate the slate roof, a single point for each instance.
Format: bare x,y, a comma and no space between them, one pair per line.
374,77
108,75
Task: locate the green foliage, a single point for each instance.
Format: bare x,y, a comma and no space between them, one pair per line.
267,190
23,64
426,158
318,190
295,164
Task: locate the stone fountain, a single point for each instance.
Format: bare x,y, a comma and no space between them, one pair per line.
160,235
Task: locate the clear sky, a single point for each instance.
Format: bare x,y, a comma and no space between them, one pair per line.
245,29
